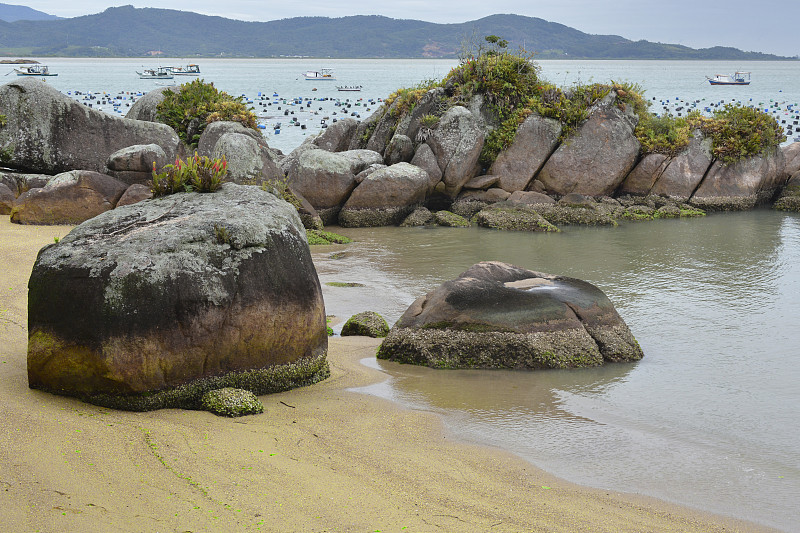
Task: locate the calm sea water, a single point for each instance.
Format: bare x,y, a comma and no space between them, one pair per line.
670,84
709,418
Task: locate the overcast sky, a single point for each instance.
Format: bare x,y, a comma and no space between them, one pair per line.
762,26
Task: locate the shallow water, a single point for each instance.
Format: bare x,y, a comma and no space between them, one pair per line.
709,418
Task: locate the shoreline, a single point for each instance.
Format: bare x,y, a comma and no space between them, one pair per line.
321,458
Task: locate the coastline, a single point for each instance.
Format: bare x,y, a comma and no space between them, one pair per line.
321,458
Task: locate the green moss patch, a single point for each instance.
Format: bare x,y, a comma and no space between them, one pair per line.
231,402
325,237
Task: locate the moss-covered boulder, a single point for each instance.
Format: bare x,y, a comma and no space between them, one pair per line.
153,304
366,324
496,315
231,402
450,219
790,195
513,218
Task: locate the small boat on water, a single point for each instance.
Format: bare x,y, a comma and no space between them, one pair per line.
325,74
737,78
160,73
34,70
352,88
188,70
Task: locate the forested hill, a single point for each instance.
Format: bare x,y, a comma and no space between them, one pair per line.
130,32
10,13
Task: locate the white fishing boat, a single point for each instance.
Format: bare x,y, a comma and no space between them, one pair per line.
188,70
34,70
160,73
324,74
352,88
737,78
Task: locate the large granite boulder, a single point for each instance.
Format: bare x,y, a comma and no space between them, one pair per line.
152,305
50,133
424,159
598,157
457,142
68,198
430,104
496,315
337,136
685,171
20,182
741,185
146,107
134,164
7,198
791,157
644,175
326,179
385,197
249,161
399,150
536,138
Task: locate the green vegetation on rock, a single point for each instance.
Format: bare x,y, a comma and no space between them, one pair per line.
195,174
194,105
325,237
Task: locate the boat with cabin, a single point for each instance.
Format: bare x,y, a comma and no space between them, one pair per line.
160,73
737,78
188,70
324,74
34,70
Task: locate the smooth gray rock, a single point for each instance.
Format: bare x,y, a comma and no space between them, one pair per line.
68,198
399,150
496,315
424,159
686,170
248,161
536,138
151,305
598,157
741,185
457,143
49,133
645,174
337,136
145,108
385,197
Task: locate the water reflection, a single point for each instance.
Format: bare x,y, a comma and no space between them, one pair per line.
708,418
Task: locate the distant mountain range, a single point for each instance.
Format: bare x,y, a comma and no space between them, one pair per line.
12,13
130,32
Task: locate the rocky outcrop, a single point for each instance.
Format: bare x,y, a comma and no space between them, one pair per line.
598,157
50,133
68,198
645,175
135,194
399,150
21,182
741,185
385,197
146,107
424,159
513,218
249,162
154,304
790,195
134,164
456,142
497,315
337,136
685,171
536,138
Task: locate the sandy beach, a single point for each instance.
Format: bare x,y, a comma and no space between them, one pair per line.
319,459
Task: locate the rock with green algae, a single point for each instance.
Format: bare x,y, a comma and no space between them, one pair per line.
231,402
144,307
497,315
450,219
366,324
513,218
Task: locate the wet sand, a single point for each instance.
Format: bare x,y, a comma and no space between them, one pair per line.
319,459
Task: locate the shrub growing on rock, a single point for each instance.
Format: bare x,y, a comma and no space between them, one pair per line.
198,174
197,104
